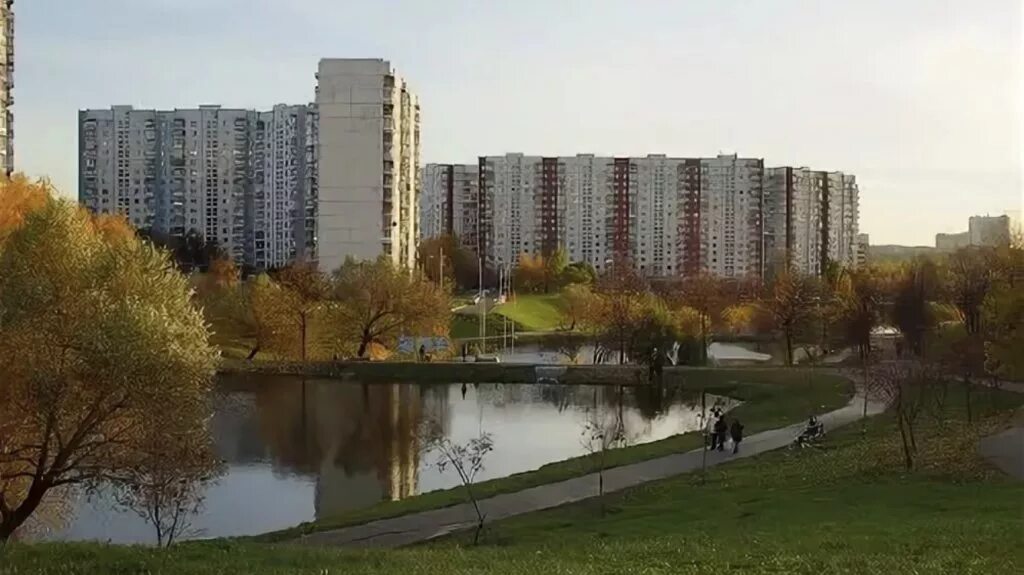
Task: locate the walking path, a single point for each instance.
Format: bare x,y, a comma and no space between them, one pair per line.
416,527
1006,450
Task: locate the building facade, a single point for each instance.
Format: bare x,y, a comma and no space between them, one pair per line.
449,203
727,216
863,250
369,182
6,86
241,179
665,216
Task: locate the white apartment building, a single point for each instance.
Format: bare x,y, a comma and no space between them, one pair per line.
811,220
449,203
369,140
863,250
281,209
239,178
6,85
666,216
731,234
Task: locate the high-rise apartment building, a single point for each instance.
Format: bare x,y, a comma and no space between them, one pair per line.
242,179
369,140
989,230
449,203
6,85
666,216
811,220
727,216
281,208
863,249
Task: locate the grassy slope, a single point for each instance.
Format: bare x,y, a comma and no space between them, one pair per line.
773,398
849,508
533,312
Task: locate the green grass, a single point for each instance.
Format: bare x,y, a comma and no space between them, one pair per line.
847,508
772,398
534,312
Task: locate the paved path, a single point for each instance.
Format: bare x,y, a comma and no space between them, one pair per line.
1006,450
413,528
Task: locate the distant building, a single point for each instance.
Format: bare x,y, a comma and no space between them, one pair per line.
863,250
6,85
242,179
981,231
369,140
989,230
952,242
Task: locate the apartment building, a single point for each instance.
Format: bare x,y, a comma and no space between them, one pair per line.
863,250
449,203
369,150
666,216
988,230
811,220
6,85
242,179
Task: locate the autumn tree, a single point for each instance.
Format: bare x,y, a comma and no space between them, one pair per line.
102,354
578,273
703,293
530,273
300,300
574,305
622,296
554,270
969,278
375,302
790,302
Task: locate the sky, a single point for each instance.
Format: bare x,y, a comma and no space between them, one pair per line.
921,99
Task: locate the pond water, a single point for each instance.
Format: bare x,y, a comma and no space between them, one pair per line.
296,452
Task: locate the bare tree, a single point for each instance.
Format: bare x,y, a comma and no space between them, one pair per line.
790,302
905,389
599,436
466,459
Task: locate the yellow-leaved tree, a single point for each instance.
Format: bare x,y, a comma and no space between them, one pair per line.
104,360
376,302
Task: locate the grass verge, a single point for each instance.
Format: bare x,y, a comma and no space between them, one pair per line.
533,312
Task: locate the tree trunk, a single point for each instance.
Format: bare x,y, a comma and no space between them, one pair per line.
967,399
252,354
908,458
789,348
21,513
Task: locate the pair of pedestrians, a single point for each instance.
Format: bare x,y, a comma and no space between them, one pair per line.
722,430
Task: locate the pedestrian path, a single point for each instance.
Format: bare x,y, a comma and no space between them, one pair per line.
426,525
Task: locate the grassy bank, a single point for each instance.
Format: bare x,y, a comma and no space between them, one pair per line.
772,398
847,508
533,312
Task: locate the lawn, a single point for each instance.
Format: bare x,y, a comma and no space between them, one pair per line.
533,312
848,507
772,398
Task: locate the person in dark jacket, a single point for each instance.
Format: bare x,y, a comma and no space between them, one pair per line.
736,431
721,428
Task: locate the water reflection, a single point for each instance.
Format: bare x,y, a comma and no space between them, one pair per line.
299,450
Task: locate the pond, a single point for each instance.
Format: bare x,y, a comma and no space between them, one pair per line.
298,451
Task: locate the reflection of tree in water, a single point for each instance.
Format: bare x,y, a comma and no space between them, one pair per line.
359,441
654,401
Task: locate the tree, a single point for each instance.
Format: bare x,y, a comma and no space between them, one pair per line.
905,389
969,278
703,293
790,303
102,353
459,265
530,273
578,273
599,437
622,297
911,310
575,302
859,299
166,486
304,291
466,459
554,268
375,302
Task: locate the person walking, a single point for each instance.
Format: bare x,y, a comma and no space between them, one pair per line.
736,431
721,428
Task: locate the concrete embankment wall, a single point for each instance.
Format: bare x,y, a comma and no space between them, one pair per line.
444,372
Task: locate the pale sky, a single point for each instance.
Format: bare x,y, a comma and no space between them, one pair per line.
921,99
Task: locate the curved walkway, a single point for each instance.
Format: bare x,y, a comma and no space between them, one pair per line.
426,525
